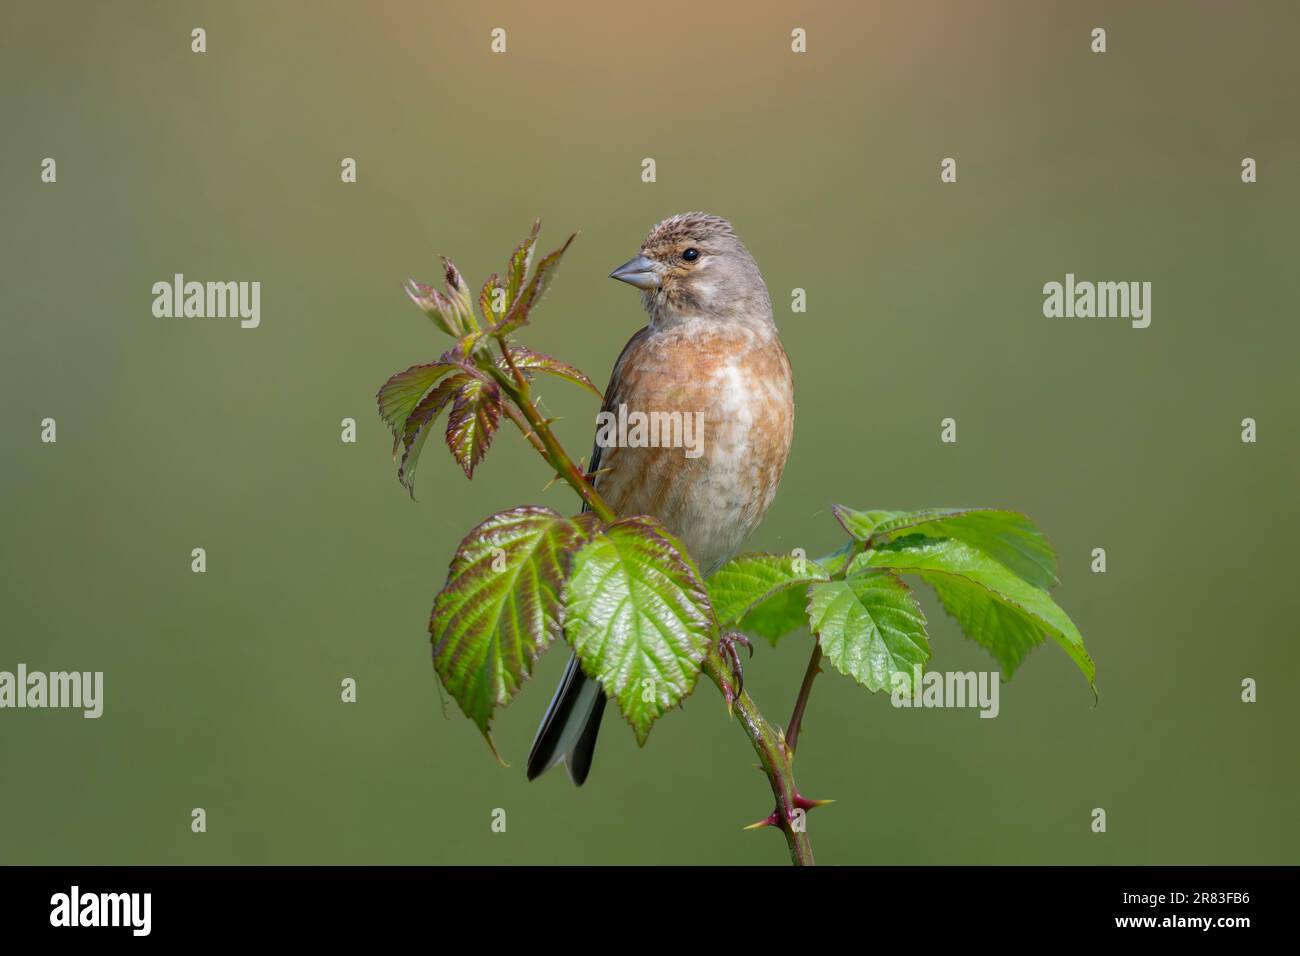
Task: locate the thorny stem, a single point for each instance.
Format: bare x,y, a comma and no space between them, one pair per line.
776,760
815,660
775,752
553,451
792,731
801,702
517,417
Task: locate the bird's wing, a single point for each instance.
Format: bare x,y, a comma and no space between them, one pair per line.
569,727
613,396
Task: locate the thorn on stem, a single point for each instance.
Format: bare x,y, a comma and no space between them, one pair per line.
778,819
804,803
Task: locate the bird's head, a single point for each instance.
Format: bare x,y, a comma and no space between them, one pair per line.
693,265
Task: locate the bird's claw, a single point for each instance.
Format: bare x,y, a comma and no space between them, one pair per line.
727,646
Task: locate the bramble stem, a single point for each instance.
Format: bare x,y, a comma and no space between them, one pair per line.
551,448
775,758
517,417
801,702
775,752
815,659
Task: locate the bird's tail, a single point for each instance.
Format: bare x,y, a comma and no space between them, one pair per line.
568,731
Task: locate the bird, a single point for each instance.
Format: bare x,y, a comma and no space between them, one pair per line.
711,346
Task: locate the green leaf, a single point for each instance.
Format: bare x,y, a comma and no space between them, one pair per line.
837,560
517,268
638,616
452,311
1005,632
779,615
530,294
1005,536
420,424
501,606
782,614
787,611
870,628
971,576
485,300
402,393
861,524
458,295
528,361
747,581
473,419
435,305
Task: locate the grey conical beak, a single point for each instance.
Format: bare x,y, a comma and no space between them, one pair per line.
638,271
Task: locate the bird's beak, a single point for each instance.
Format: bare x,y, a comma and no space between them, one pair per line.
638,271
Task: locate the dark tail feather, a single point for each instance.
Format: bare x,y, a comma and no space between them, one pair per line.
568,731
579,759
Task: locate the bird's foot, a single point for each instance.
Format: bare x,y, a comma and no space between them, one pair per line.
727,647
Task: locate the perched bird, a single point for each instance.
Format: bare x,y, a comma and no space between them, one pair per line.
711,347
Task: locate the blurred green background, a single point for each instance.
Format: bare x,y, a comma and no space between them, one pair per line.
924,301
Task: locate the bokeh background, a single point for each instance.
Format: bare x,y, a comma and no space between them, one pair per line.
924,301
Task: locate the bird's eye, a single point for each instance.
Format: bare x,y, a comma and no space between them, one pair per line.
690,255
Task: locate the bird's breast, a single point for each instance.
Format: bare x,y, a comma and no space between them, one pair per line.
725,395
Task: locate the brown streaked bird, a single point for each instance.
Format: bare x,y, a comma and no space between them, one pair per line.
711,347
